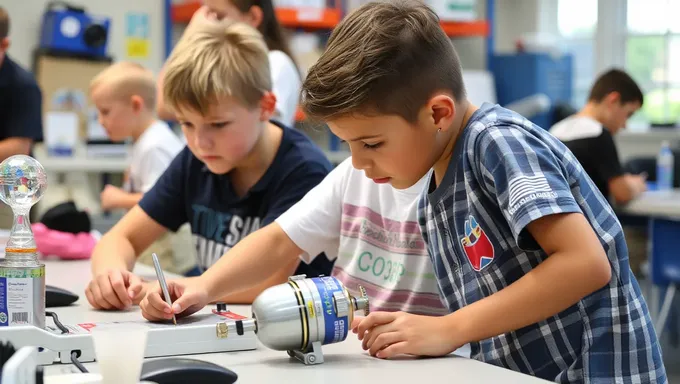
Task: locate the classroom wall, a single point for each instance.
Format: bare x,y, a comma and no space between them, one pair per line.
26,16
512,19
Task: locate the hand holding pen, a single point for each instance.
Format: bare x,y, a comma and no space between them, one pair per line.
163,284
188,298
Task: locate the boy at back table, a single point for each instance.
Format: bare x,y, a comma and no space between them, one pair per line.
528,254
125,97
238,172
589,134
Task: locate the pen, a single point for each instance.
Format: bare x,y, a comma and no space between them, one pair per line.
164,285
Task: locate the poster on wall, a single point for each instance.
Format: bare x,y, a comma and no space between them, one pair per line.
137,40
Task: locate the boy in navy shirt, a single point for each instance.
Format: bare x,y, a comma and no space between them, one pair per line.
20,101
528,254
20,109
238,172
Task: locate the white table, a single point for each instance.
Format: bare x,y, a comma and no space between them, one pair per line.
79,161
662,208
345,362
655,204
76,177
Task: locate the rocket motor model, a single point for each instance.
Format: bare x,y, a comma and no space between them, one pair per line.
303,314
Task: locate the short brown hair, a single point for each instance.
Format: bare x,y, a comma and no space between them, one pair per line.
616,80
384,58
217,59
4,23
127,79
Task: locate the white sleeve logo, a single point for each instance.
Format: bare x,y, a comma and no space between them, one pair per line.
523,189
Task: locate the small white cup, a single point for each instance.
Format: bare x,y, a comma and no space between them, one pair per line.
119,349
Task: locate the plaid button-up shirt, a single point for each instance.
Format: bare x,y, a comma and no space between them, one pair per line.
506,172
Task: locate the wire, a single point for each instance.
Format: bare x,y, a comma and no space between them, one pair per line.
74,354
78,364
6,352
58,323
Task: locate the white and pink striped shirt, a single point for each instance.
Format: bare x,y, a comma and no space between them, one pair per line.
371,231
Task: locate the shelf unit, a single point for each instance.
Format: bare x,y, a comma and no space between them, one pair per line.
326,19
311,18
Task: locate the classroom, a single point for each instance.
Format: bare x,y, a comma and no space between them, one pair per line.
259,191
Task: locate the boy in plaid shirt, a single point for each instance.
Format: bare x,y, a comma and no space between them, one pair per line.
528,255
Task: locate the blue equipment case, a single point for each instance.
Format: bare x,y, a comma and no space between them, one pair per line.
69,29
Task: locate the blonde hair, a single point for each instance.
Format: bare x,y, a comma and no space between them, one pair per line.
127,79
217,59
385,58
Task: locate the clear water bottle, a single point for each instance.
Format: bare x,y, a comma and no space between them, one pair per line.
664,167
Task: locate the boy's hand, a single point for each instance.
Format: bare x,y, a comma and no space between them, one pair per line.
111,197
186,300
114,289
387,334
640,182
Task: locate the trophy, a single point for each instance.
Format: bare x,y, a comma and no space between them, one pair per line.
22,277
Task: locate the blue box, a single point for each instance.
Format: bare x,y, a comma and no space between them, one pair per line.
525,74
72,30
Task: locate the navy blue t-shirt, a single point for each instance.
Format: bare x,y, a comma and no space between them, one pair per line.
188,192
20,103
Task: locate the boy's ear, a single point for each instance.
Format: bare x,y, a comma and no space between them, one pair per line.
137,103
4,44
267,106
442,110
255,16
613,98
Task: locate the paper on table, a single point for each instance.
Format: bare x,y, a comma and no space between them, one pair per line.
61,132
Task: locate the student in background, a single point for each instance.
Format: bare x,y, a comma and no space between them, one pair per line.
613,99
20,109
125,97
368,227
239,171
259,14
528,254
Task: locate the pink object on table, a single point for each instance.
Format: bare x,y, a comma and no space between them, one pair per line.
65,245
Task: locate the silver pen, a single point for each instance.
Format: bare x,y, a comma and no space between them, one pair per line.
164,285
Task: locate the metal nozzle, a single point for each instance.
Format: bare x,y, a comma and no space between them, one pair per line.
361,302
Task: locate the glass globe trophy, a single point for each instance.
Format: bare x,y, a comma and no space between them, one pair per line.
22,277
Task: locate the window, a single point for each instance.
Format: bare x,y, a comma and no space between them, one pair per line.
577,23
653,57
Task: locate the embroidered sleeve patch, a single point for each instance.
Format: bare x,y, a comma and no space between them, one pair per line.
524,189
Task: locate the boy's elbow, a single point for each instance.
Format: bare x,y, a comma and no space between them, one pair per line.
601,271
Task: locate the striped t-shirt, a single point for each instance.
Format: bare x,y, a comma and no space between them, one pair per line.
371,231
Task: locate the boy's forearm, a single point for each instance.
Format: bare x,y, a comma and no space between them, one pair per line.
111,252
129,200
14,146
250,294
553,286
261,259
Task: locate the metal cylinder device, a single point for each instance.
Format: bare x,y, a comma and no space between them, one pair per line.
303,314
